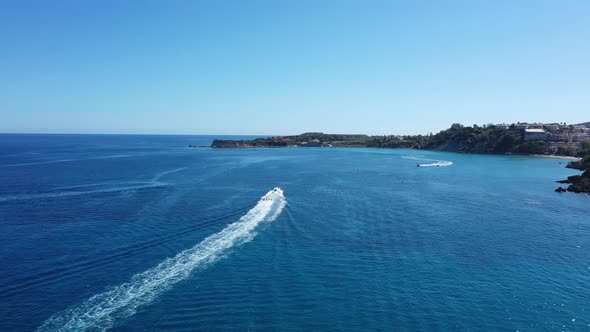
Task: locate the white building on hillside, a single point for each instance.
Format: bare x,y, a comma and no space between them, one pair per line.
535,134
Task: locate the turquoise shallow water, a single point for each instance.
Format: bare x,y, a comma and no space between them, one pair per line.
135,233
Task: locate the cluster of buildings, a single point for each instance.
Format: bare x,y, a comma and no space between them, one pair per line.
556,135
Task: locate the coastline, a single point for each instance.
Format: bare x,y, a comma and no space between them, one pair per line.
240,145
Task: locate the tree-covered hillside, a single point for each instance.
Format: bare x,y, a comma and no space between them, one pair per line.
483,139
401,142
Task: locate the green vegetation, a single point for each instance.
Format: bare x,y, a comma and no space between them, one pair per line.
458,138
333,139
402,142
585,150
483,139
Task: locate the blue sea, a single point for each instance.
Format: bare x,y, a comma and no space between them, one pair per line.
143,233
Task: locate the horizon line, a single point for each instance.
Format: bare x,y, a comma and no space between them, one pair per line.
267,135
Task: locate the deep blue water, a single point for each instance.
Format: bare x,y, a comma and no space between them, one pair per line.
135,233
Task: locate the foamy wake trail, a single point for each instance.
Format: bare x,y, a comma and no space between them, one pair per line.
102,310
431,162
67,193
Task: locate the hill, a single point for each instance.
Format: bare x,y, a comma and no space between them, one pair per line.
483,139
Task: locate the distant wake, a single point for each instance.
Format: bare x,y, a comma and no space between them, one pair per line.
65,193
96,188
102,310
56,161
160,175
431,162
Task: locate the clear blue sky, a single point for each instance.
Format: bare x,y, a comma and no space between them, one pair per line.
284,67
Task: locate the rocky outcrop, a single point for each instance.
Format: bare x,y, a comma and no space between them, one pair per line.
581,165
581,184
578,183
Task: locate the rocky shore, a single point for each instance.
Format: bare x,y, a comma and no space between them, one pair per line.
578,183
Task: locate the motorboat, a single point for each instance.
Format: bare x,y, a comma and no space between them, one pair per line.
270,195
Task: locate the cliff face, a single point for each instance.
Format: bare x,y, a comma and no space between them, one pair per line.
578,183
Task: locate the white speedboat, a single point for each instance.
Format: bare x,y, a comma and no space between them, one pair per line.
270,195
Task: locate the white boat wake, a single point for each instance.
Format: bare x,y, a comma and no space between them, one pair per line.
437,164
160,175
102,310
96,188
432,162
55,161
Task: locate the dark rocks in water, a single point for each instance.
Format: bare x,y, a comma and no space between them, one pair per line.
576,165
581,165
574,178
570,179
560,190
579,183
